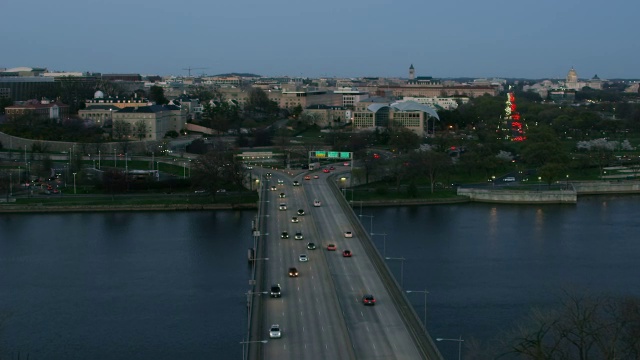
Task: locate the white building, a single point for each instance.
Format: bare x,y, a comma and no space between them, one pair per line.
445,103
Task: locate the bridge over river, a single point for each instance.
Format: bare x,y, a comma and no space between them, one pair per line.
320,312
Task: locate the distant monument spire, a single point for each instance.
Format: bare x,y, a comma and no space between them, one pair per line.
412,72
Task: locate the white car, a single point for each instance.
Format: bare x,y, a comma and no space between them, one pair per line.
280,181
316,203
283,206
303,258
295,219
348,234
298,235
274,331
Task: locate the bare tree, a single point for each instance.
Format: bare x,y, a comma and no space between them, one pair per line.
140,129
430,164
121,129
584,327
217,169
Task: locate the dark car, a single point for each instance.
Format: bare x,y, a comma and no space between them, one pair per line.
284,235
346,253
300,212
311,246
296,183
368,299
293,272
276,290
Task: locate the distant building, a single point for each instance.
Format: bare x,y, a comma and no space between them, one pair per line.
188,104
378,112
572,81
99,98
293,95
633,88
24,88
99,110
157,120
562,95
426,86
23,72
350,96
43,109
223,81
333,116
445,103
122,77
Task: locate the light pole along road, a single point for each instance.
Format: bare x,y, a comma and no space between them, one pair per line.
321,313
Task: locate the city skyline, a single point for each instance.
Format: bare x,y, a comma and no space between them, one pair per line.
329,39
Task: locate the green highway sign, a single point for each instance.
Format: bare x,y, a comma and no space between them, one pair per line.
331,155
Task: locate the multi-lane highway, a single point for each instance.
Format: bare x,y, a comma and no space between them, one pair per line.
321,312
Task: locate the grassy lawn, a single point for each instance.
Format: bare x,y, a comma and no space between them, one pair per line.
159,199
381,193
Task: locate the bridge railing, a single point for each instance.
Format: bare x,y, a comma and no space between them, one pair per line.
255,305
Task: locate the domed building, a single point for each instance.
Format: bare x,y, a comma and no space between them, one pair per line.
573,82
572,76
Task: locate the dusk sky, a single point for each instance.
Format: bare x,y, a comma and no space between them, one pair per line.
332,38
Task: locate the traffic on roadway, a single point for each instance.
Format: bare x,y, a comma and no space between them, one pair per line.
331,303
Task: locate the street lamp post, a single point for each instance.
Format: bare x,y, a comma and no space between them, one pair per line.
250,342
99,158
459,340
539,182
384,243
425,303
74,184
370,223
401,259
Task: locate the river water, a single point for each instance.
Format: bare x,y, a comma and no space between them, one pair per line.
167,285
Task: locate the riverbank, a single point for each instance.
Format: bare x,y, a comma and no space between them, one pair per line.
40,208
45,208
520,197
